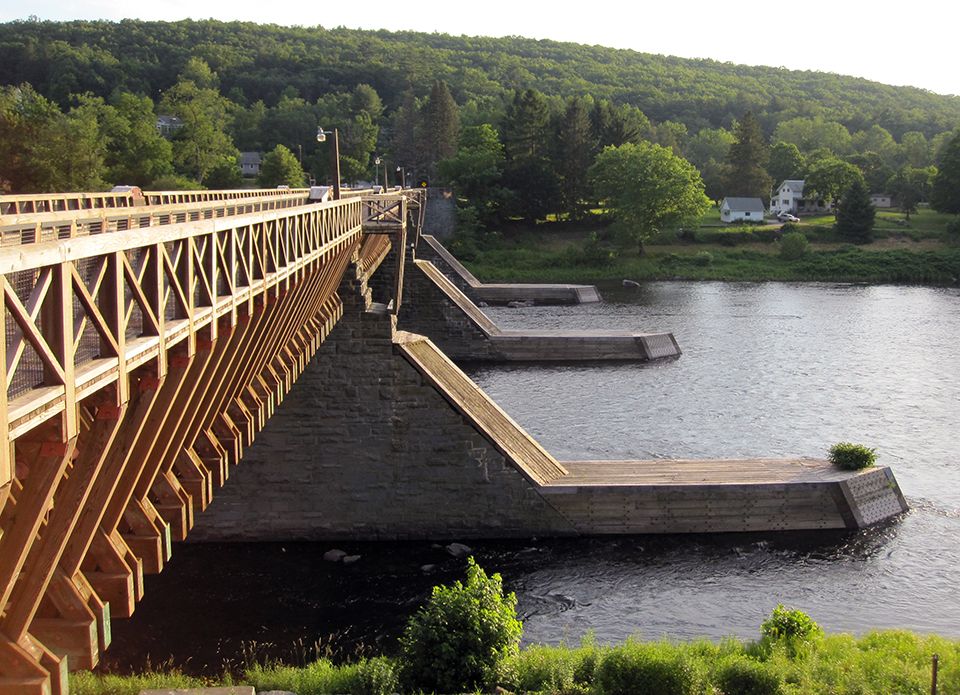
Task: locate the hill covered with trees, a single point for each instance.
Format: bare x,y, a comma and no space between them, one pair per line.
514,124
257,62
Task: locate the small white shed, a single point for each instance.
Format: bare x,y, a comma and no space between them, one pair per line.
881,200
741,210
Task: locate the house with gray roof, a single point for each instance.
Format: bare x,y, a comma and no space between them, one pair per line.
250,163
789,198
741,210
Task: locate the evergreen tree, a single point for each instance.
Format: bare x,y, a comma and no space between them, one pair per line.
405,141
442,126
746,173
945,196
855,214
529,173
574,156
525,126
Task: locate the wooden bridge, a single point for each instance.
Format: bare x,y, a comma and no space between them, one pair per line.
148,340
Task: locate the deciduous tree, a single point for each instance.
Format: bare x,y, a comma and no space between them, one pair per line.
280,167
829,178
647,188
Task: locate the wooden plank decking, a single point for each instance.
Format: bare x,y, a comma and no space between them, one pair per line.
554,345
470,400
504,293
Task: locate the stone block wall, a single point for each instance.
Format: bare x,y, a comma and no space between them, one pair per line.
363,448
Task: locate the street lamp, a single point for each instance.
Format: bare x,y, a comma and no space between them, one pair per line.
334,157
376,176
403,177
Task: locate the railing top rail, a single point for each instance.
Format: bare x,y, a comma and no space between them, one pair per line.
45,252
79,200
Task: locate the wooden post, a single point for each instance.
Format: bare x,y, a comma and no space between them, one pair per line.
933,680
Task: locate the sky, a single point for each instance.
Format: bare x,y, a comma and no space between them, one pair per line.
898,43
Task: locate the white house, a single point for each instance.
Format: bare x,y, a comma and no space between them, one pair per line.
168,125
881,200
789,198
250,163
741,210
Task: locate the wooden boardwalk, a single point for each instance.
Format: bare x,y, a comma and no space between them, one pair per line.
502,293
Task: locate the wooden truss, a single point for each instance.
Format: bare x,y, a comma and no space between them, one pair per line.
138,365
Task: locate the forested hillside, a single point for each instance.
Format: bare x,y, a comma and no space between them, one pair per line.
256,62
515,125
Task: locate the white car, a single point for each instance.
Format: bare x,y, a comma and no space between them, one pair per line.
787,217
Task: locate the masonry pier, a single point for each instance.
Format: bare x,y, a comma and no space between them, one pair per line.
384,437
430,249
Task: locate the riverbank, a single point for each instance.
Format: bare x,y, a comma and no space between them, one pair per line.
915,252
878,663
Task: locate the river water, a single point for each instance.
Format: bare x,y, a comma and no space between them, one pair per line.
767,370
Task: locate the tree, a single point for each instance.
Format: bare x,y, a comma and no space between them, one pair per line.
202,143
618,125
405,140
574,156
746,163
810,133
855,214
915,149
910,186
441,124
786,162
136,153
829,178
528,172
476,171
647,188
280,167
945,196
708,151
43,150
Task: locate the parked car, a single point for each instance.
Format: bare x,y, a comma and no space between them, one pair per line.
787,217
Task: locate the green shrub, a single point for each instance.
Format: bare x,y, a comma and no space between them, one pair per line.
789,624
852,457
367,677
793,246
459,639
636,668
703,258
742,676
953,230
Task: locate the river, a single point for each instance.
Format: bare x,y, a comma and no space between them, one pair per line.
767,370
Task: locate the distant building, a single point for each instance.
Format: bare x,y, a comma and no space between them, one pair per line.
881,200
250,163
789,198
741,210
168,125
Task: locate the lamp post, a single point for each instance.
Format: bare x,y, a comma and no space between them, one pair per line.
334,157
376,176
403,177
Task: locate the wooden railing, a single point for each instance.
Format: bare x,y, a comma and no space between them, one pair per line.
141,357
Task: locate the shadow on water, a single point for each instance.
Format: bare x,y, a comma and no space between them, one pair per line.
218,607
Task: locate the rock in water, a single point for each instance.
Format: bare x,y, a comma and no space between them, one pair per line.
459,549
631,283
334,555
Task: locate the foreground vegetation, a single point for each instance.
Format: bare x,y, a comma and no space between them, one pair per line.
878,663
466,638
